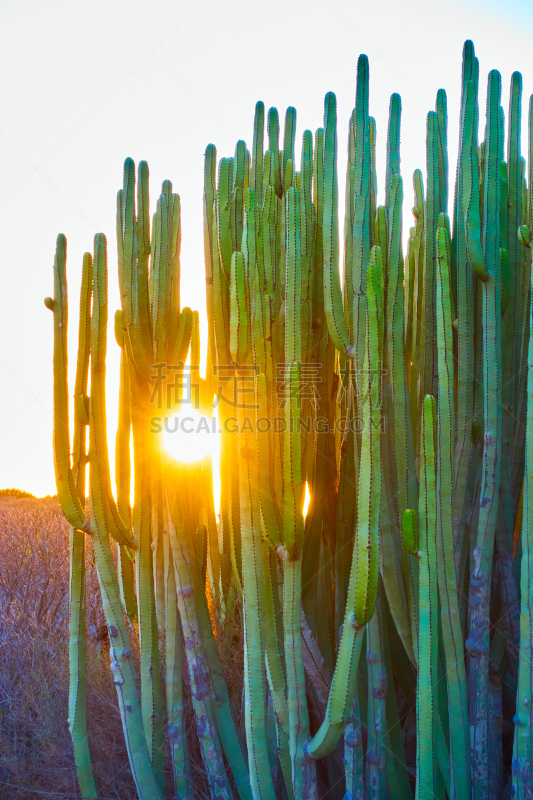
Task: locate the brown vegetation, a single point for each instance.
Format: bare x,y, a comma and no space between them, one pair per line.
36,756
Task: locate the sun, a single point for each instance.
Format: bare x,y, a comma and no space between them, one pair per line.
190,436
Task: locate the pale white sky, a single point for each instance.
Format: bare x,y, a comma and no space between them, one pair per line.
86,84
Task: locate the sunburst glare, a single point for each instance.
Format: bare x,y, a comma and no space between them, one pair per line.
190,436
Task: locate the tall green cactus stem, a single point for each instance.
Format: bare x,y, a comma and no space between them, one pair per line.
123,475
362,216
134,247
185,489
376,755
426,695
398,469
513,206
174,644
77,712
151,687
431,215
202,694
449,611
337,327
66,487
121,663
364,571
417,324
254,639
480,580
366,546
465,323
522,758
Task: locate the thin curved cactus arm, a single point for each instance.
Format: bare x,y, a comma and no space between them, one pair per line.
344,681
337,327
353,752
102,498
470,172
77,712
66,487
364,571
366,543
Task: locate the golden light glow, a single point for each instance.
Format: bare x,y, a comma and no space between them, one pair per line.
189,436
307,499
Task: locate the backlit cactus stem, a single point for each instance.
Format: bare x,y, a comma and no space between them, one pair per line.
376,754
196,661
477,643
121,663
522,759
77,713
451,630
123,475
426,697
366,545
66,487
398,459
364,571
330,233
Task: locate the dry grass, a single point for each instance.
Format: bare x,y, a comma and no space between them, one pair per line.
36,756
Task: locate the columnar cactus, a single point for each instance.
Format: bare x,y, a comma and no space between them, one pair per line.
398,401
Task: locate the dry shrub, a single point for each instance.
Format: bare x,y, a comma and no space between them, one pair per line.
36,754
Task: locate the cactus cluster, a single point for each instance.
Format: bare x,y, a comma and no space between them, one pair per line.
387,632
